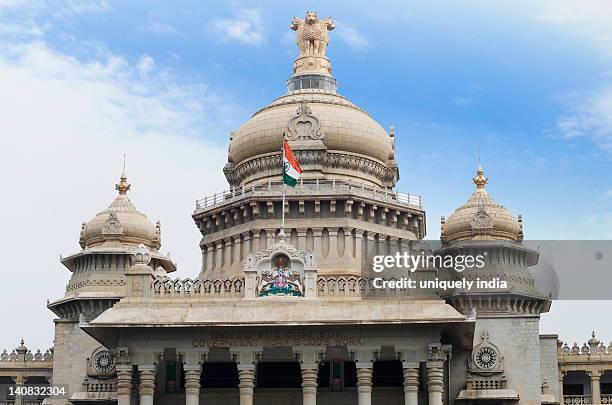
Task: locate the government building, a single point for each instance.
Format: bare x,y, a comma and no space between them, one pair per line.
289,315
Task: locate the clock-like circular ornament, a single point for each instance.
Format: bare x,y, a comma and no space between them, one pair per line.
104,361
486,358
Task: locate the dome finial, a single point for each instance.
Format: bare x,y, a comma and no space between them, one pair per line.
123,185
480,180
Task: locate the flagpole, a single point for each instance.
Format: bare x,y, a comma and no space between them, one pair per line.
283,181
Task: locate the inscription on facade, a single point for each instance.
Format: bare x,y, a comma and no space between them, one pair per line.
279,339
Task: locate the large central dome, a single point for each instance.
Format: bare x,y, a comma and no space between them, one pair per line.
332,137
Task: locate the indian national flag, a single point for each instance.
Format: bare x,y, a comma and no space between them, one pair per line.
291,168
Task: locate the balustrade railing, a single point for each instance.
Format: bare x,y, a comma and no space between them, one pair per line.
327,286
353,286
167,287
577,399
310,187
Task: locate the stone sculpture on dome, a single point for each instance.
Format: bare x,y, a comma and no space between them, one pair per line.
312,38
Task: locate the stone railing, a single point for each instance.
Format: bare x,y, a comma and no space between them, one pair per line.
326,287
592,347
310,188
99,386
167,287
577,399
477,384
353,286
13,356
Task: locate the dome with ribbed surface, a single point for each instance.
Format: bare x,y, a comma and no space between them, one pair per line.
481,218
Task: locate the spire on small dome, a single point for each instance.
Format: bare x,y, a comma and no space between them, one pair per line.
123,185
480,180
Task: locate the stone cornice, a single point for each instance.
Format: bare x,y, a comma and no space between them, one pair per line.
268,165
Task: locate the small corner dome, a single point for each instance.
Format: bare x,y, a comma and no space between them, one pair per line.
121,223
481,218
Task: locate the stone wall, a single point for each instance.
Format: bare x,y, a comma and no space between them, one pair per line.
519,343
549,365
72,348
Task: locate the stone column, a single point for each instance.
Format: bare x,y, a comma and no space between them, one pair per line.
146,388
411,383
246,375
309,384
561,377
19,380
193,374
316,235
333,242
301,239
595,375
247,245
364,383
218,255
124,384
435,381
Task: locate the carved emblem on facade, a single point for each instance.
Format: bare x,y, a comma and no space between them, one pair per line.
304,125
112,226
486,357
101,364
482,219
280,279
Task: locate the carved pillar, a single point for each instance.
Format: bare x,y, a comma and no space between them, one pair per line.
124,384
193,374
255,246
341,243
316,235
227,253
333,242
595,375
364,383
435,381
301,239
238,252
246,375
561,377
245,361
146,388
309,384
218,255
246,245
411,383
19,380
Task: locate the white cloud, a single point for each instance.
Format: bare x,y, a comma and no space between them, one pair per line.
460,101
159,27
351,37
145,65
66,123
588,19
246,27
590,117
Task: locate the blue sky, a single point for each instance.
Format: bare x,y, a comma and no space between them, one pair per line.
527,82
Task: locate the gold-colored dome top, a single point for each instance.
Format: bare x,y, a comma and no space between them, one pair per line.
480,180
120,224
481,218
